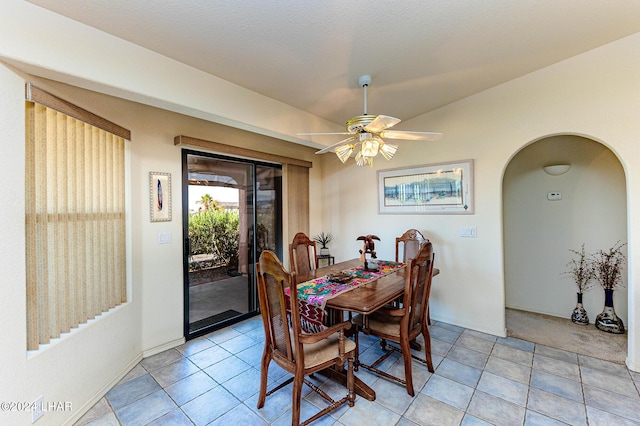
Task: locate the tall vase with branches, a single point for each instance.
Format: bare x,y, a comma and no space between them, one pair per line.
607,266
581,270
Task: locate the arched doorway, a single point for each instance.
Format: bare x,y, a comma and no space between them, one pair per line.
545,216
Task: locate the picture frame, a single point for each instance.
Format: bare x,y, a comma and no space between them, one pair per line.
160,196
441,188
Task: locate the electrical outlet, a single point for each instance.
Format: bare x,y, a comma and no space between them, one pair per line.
37,409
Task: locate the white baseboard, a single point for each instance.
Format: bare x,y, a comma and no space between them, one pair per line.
169,345
535,311
497,332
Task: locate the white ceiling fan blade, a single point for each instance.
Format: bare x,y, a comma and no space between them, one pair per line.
336,145
411,136
381,123
323,133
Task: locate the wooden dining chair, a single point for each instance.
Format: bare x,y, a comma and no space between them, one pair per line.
298,353
303,254
403,324
409,243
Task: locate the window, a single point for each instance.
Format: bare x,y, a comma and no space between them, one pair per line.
75,216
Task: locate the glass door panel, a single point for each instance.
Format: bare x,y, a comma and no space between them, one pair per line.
269,210
225,201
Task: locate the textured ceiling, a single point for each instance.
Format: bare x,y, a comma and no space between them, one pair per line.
421,54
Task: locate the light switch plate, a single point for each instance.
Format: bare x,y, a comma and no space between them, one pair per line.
164,237
468,232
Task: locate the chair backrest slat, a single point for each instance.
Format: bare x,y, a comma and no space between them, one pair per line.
410,242
303,254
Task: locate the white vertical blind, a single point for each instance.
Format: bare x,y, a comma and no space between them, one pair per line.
75,222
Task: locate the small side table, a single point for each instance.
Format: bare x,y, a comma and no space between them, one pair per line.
330,259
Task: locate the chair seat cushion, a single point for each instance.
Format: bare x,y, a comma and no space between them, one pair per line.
325,350
380,323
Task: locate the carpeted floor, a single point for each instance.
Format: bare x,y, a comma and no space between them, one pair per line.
561,333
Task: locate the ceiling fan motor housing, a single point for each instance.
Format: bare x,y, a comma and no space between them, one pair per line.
357,124
364,80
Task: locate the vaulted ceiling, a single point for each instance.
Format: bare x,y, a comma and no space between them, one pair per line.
421,54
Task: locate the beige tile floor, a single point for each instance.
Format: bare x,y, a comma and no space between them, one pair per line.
479,380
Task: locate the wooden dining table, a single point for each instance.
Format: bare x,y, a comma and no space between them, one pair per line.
364,299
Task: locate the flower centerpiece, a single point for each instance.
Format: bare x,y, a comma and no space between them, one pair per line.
323,239
583,274
607,267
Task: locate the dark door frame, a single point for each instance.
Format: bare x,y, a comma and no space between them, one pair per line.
253,299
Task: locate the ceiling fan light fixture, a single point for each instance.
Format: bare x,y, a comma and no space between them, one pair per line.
344,152
359,159
388,150
370,146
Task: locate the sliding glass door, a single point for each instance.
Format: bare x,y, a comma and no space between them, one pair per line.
232,211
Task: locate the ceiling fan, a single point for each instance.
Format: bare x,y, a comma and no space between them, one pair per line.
368,131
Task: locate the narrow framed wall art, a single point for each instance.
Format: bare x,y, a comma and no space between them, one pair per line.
160,196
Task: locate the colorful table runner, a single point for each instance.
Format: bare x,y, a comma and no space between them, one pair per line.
313,294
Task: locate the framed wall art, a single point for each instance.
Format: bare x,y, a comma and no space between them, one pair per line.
160,196
444,188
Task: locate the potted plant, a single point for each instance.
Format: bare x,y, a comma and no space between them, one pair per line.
607,267
323,239
583,274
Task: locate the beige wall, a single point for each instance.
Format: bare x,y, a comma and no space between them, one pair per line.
595,94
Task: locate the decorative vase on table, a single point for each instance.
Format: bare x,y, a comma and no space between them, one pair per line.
579,315
323,239
607,320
